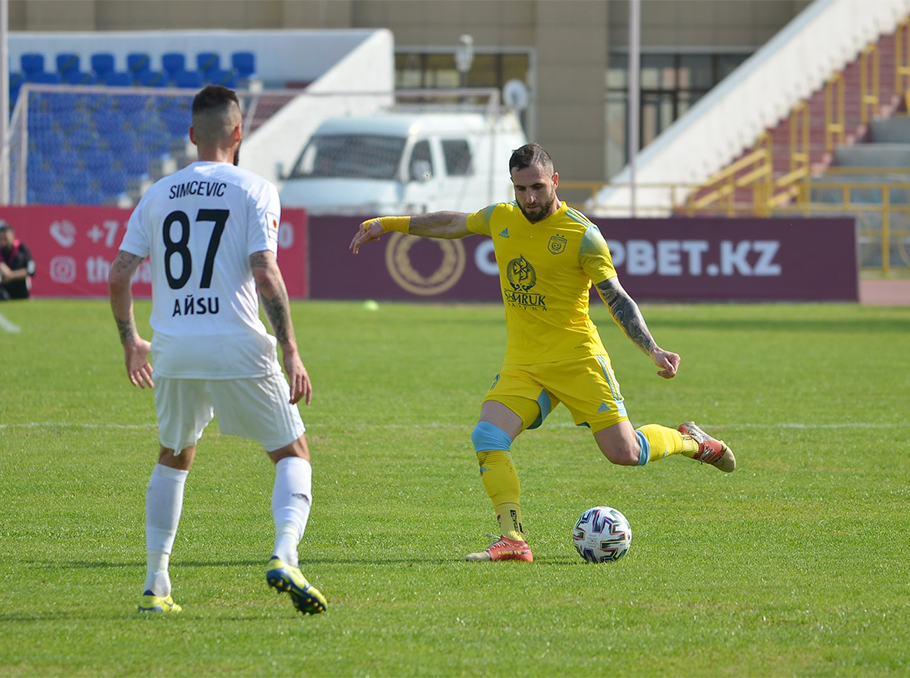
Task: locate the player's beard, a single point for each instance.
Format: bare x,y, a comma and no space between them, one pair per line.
237,153
542,211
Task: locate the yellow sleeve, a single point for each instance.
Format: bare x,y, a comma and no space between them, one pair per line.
479,222
594,256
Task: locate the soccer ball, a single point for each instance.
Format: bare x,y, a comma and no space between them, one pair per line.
602,535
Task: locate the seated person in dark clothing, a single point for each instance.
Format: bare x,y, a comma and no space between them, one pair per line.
16,266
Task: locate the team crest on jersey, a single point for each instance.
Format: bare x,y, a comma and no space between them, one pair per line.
522,277
557,244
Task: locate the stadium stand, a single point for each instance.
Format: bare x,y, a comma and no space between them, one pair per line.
103,65
153,79
116,79
221,77
66,64
31,64
138,64
45,78
188,79
245,65
173,63
16,80
207,62
76,77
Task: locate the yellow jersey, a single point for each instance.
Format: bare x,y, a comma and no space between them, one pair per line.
546,270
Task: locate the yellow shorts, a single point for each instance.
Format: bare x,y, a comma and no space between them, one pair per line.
586,386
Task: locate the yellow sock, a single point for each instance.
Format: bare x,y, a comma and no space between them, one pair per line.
663,442
501,483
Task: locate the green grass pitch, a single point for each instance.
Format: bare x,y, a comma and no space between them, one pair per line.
798,564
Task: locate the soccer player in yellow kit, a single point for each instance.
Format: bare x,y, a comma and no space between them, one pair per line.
548,256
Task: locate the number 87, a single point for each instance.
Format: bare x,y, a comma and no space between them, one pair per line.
179,246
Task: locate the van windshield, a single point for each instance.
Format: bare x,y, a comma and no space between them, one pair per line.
351,156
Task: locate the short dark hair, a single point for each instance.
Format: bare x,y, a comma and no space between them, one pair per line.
214,98
528,155
4,227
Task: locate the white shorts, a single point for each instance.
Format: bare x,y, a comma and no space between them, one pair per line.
256,408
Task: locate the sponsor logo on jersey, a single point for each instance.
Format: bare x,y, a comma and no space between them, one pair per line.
504,233
557,244
522,278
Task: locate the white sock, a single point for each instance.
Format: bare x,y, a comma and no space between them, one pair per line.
291,501
163,503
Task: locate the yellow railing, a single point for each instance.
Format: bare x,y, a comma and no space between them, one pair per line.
835,117
751,171
868,82
902,58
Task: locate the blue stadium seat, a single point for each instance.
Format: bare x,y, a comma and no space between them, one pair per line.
188,79
173,63
31,63
49,143
108,121
38,174
221,77
75,181
79,78
138,63
136,163
116,79
45,78
245,64
153,79
67,63
97,161
121,142
207,62
177,122
16,80
113,182
102,64
58,104
130,105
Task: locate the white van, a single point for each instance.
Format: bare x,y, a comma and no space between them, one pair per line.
405,163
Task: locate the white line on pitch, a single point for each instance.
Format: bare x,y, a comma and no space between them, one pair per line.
69,424
440,425
8,326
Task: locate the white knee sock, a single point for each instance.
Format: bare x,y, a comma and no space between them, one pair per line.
291,501
163,503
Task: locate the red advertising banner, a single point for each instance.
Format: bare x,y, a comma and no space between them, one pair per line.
74,246
673,259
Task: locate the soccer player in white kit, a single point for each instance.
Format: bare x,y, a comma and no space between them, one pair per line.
211,234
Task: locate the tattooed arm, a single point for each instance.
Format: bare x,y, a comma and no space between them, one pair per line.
274,297
627,315
135,349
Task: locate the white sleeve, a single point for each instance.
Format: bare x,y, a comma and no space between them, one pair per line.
136,240
262,229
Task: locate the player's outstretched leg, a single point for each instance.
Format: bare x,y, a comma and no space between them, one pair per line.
504,549
710,450
306,598
149,602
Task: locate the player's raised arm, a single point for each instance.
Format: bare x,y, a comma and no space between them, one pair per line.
446,225
627,315
135,349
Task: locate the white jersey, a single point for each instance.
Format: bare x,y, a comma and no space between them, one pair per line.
199,227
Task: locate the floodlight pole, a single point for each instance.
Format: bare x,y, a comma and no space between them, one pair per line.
634,93
4,104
